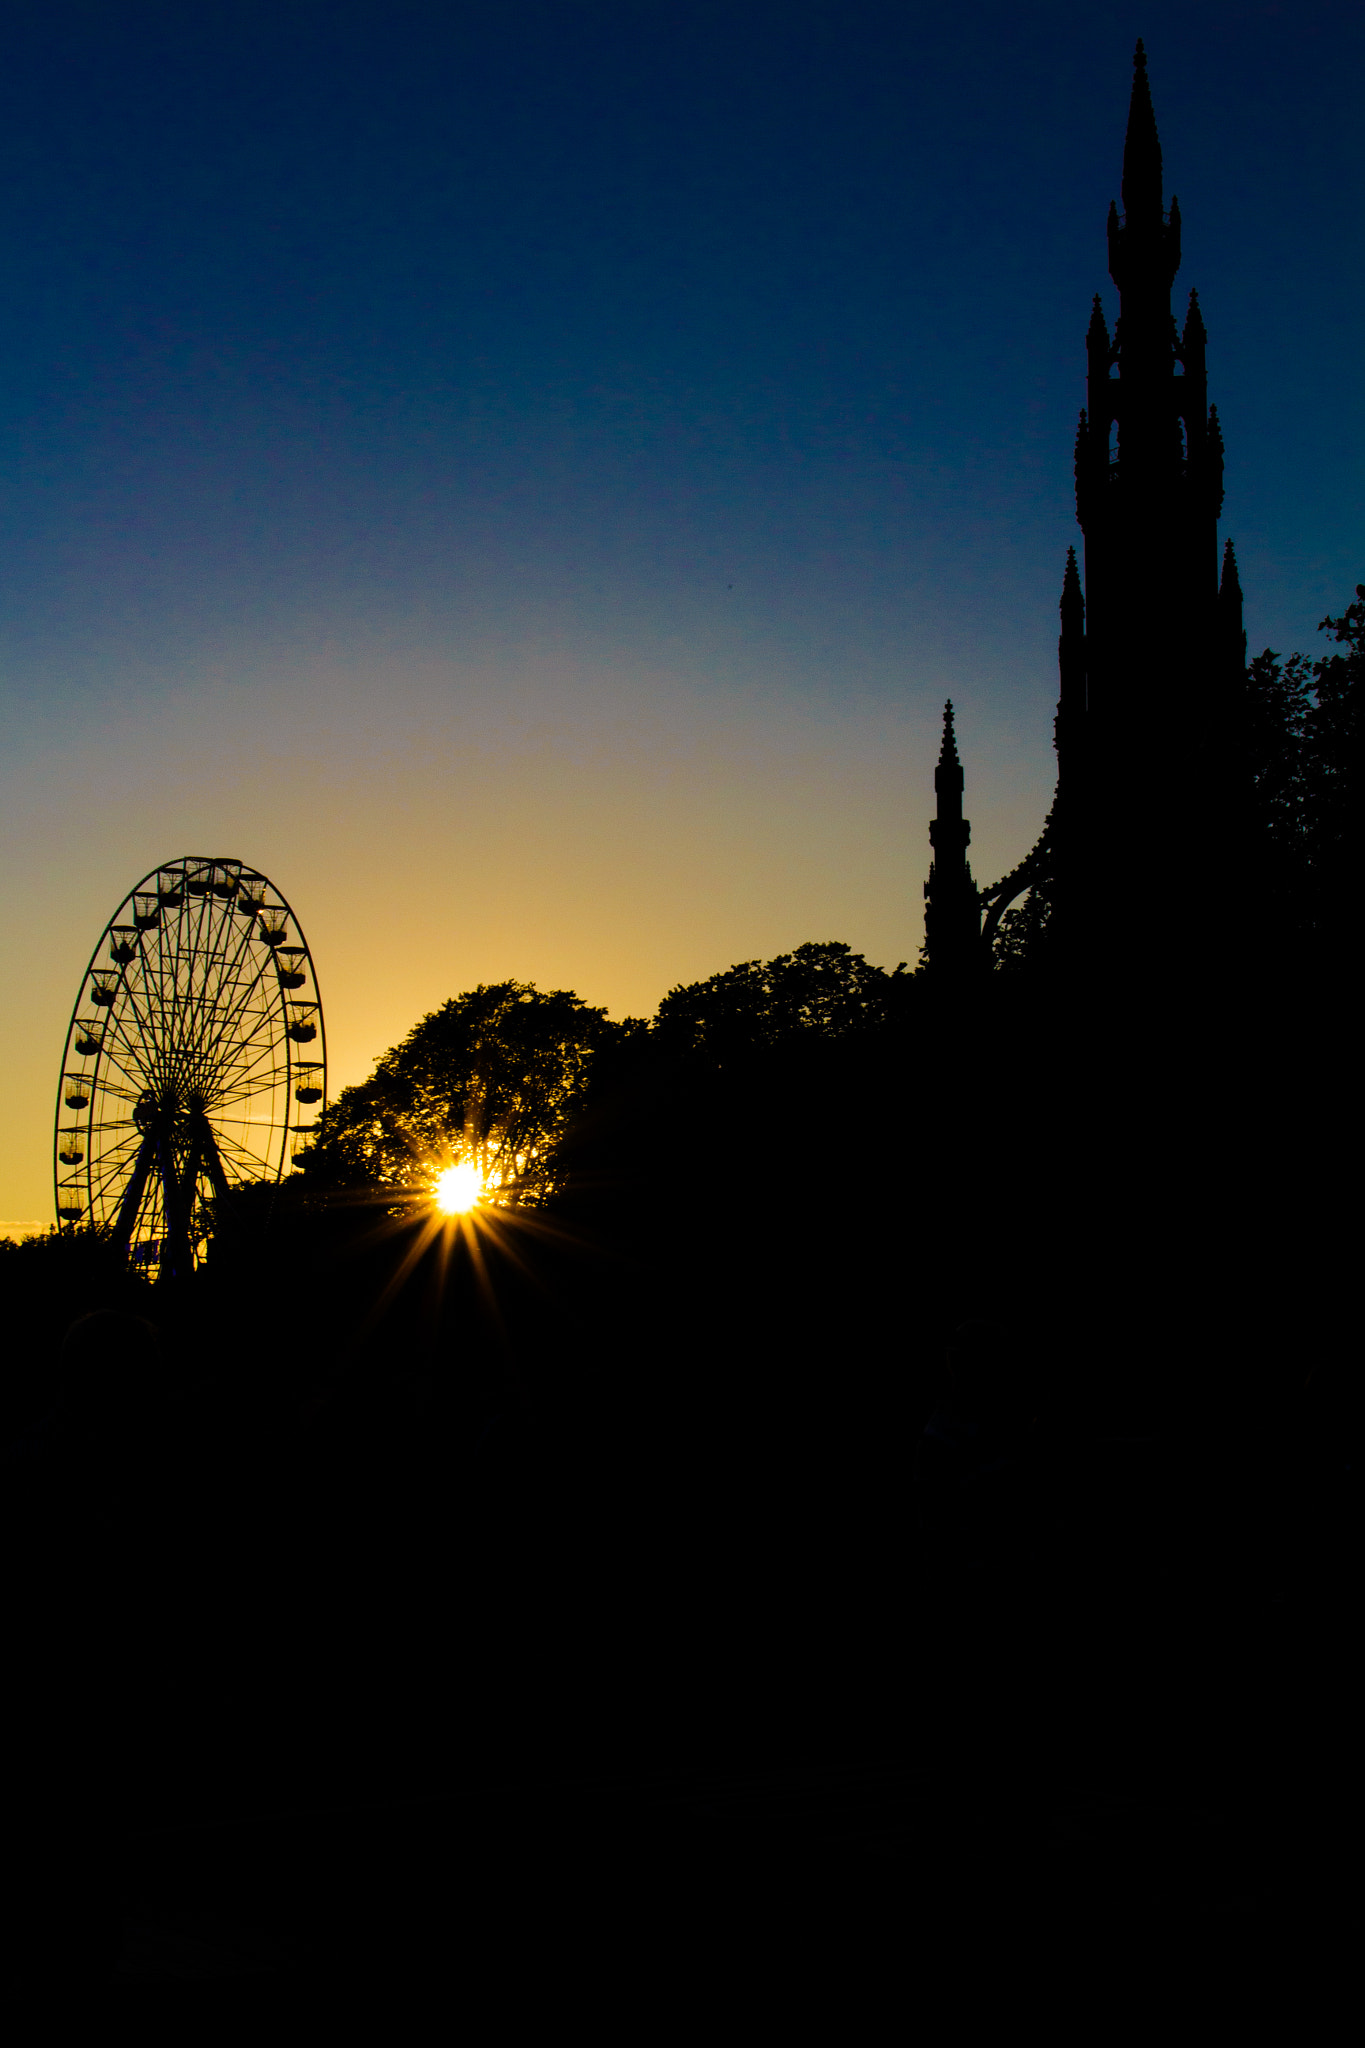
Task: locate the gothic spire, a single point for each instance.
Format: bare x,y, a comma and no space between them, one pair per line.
948,751
1141,150
1066,730
1230,588
952,908
1232,631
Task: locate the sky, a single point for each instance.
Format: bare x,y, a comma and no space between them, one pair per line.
526,476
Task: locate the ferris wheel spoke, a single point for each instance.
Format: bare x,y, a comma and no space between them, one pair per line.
243,1169
112,1170
260,1039
210,993
256,1112
154,1012
115,1137
216,1024
108,1128
175,971
154,976
117,1081
114,1130
128,1042
205,1020
252,1113
253,1076
230,1101
152,964
236,1009
134,1041
249,1105
188,948
245,1163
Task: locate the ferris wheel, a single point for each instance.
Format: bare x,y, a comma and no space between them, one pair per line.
195,1060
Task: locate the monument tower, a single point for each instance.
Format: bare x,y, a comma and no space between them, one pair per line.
1151,655
952,911
1152,651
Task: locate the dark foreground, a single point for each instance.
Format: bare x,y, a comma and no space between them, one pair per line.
864,1881
974,1805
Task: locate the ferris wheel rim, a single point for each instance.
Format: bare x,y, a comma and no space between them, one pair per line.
205,1100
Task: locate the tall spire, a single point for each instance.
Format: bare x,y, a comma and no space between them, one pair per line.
1141,150
1144,242
947,753
1067,729
1150,641
1230,586
1231,631
952,909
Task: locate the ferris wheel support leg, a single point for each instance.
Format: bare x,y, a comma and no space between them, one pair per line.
126,1220
213,1164
178,1194
213,1161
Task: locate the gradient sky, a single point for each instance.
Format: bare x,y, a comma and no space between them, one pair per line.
526,476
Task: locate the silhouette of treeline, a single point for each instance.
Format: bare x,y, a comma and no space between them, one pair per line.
503,1074
625,1474
637,1457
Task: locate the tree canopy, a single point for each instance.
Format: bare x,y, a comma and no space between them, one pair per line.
825,990
491,1079
1303,750
1021,935
497,1077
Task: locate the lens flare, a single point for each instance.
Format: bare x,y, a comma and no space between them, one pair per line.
458,1189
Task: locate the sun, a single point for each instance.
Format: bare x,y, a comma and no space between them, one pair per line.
458,1189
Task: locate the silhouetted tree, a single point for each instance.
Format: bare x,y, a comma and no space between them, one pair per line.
1021,936
1302,741
492,1078
1331,750
822,990
1277,703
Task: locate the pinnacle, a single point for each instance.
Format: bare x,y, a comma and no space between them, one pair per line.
1141,149
1230,583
